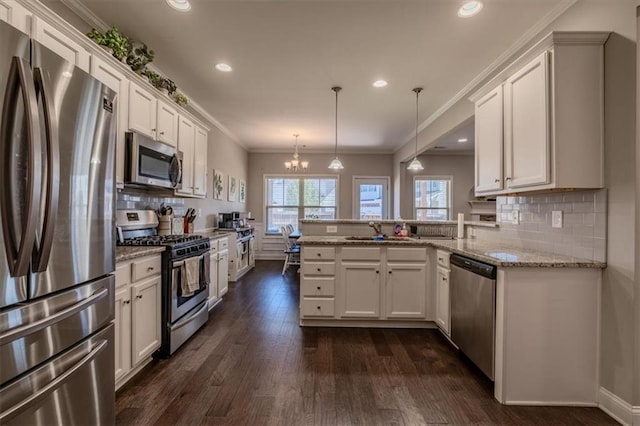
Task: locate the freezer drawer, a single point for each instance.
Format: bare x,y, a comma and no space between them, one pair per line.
33,332
75,388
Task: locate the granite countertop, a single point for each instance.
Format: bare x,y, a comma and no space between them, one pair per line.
132,252
491,252
393,222
216,234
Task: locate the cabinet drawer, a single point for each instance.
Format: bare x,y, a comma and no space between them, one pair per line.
214,247
443,258
414,254
318,268
223,243
318,253
318,287
361,253
123,274
311,307
145,268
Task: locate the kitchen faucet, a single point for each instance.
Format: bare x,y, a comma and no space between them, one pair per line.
377,228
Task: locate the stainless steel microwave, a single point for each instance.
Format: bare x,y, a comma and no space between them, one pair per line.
152,163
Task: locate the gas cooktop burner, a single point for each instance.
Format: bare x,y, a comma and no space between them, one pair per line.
160,240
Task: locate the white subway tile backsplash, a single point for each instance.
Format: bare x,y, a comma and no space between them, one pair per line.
584,229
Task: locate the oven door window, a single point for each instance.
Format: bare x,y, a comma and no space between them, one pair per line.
179,278
153,164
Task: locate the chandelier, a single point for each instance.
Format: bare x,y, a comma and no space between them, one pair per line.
295,165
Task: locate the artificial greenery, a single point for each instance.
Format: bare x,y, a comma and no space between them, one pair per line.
180,99
169,85
153,77
139,57
112,39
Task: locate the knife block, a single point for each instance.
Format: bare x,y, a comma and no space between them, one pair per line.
188,227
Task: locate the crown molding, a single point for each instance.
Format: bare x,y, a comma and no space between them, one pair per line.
86,14
500,61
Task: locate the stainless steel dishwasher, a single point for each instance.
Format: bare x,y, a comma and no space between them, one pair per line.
473,310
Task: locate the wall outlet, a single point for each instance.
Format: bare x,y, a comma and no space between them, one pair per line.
332,229
556,219
515,217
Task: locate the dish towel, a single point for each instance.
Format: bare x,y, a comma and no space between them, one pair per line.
190,276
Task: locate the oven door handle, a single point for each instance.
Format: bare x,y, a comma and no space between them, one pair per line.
180,264
205,306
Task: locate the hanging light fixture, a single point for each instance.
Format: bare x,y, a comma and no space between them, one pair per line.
415,164
295,165
335,163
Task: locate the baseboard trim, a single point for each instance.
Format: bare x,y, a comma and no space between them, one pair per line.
618,408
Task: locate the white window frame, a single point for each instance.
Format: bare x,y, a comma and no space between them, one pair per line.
300,205
432,177
355,202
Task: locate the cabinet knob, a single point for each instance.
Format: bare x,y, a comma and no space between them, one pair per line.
319,269
126,302
444,279
319,254
153,130
496,181
318,307
390,271
440,259
318,287
162,133
150,268
507,178
139,296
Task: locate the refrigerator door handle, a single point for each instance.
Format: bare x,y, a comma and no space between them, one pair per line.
43,88
20,81
53,385
25,330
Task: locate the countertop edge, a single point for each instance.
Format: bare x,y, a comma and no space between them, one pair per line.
124,253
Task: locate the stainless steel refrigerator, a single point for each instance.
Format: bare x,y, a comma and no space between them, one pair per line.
57,143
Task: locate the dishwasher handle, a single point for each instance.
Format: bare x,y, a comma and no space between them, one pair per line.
475,266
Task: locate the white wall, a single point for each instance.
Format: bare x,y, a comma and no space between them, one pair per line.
261,164
460,167
225,155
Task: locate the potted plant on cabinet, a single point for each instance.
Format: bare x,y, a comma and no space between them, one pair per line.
139,56
181,99
111,39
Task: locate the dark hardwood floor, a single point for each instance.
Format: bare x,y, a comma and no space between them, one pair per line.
253,365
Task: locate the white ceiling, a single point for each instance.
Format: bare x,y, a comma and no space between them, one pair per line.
286,56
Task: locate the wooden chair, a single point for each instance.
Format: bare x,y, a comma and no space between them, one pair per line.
291,251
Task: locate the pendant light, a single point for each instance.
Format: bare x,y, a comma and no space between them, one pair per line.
335,163
295,164
416,165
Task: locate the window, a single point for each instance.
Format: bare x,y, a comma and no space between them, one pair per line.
291,198
432,197
370,200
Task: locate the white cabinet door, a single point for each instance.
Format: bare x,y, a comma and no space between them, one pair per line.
223,273
213,279
142,111
186,142
252,251
405,290
489,142
359,293
122,323
527,133
59,43
16,15
200,163
167,124
119,83
443,310
146,318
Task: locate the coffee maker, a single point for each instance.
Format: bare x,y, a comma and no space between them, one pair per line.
229,220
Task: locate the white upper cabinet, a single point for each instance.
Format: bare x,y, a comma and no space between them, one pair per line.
186,143
200,163
167,124
540,114
119,83
142,111
16,15
488,141
526,116
60,43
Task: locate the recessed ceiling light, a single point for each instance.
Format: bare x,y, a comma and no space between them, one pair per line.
180,5
469,9
223,67
379,83
462,140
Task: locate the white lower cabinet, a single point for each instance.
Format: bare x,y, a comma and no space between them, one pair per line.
137,315
364,283
443,300
223,272
359,290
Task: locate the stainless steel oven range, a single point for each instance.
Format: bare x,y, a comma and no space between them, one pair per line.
185,275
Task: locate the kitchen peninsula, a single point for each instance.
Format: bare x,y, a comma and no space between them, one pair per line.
540,298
